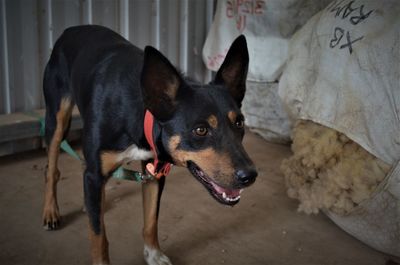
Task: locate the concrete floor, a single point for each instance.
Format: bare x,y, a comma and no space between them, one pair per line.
264,228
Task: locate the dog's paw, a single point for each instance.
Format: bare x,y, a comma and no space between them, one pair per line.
155,256
51,217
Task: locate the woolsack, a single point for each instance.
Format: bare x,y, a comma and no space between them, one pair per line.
342,84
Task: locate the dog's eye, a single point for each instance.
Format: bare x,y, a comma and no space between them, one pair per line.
200,131
239,123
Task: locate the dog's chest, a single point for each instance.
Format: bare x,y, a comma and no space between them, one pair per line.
135,153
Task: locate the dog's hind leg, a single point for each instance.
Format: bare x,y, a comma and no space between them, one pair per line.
58,117
54,136
94,187
152,191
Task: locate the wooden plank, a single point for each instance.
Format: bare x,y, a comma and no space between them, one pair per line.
21,145
20,131
18,126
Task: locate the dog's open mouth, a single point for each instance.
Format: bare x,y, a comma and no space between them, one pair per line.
222,195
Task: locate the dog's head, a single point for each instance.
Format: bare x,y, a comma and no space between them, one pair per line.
202,125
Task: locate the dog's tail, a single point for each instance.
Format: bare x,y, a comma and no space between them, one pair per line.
57,95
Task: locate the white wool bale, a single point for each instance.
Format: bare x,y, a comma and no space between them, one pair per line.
343,72
264,112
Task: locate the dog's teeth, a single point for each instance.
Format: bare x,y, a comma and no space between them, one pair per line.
230,199
234,199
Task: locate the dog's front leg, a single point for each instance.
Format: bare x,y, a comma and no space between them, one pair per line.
95,205
152,191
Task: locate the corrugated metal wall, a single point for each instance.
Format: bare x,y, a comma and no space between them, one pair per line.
29,28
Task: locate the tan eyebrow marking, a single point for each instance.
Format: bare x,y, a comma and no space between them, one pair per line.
232,116
213,121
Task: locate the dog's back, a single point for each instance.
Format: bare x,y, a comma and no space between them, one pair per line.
92,65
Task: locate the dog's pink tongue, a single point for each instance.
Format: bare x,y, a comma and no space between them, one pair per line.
229,193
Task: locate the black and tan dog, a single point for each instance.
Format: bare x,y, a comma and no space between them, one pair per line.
113,83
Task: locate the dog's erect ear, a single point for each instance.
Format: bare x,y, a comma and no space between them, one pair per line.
233,71
160,84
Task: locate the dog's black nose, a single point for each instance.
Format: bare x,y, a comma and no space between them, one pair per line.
246,176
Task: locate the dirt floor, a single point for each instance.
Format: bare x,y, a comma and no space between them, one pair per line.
264,228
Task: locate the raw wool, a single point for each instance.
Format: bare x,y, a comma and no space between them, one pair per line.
329,171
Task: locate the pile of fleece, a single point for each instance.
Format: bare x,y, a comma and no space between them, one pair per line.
329,171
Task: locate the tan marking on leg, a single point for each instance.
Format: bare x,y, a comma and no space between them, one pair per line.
109,162
213,121
50,210
152,253
150,191
232,116
99,243
217,166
